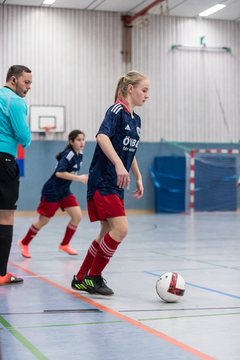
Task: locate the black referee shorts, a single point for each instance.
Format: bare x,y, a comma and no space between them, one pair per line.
9,182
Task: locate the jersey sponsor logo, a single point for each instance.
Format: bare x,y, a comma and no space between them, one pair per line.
130,144
127,127
116,108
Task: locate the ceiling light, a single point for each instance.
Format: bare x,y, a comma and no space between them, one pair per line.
48,2
212,10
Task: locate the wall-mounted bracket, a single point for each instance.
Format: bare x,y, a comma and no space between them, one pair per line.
201,48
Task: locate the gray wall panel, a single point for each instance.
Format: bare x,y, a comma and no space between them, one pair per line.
75,57
76,61
194,94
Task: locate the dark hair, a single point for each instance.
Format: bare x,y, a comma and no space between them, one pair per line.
131,78
71,137
16,70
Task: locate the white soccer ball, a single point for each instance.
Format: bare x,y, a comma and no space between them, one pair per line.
170,286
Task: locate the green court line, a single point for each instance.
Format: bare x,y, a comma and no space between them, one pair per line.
22,339
187,316
119,321
77,324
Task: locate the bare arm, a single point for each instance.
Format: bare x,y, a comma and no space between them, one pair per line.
105,144
138,193
68,176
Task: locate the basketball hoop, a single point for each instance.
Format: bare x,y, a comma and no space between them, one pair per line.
49,132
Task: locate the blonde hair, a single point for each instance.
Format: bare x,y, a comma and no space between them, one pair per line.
131,78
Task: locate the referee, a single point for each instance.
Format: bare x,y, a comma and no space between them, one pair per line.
14,130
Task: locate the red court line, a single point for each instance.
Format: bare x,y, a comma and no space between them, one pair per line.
120,316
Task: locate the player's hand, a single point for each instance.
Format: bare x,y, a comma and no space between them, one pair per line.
83,178
123,178
138,193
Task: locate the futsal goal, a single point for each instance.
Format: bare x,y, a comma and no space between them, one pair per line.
212,179
204,179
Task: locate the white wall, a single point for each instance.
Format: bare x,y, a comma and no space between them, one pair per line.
194,94
75,57
76,61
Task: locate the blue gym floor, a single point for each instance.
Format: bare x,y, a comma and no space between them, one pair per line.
43,318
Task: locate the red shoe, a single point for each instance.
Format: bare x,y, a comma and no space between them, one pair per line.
67,249
9,279
24,250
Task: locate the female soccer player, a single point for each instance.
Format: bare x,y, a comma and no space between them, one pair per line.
56,194
117,142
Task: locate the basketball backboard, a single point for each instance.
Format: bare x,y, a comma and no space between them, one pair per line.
42,117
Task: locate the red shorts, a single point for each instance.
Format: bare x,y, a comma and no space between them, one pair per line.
48,209
102,207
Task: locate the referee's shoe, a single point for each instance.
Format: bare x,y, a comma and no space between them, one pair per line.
9,279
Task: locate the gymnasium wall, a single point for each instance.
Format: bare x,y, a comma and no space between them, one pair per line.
194,94
74,56
40,161
76,61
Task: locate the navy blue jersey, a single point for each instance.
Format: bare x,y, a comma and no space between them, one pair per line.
55,188
123,130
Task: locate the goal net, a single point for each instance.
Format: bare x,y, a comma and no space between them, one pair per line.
213,178
204,179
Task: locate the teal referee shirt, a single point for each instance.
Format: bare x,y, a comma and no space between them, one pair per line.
14,127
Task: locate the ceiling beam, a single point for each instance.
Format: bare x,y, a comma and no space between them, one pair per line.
128,19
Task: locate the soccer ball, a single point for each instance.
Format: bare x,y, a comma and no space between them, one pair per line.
170,286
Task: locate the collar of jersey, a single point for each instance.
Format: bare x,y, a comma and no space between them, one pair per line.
124,104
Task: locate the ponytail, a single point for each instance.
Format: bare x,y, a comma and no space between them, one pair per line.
131,78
